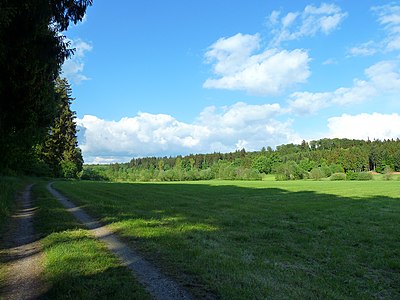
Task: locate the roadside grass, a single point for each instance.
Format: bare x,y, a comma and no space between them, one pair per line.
265,239
76,265
9,186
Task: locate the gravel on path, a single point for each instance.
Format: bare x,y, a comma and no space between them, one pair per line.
159,285
23,252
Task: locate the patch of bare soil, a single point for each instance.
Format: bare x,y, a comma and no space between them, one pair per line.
22,253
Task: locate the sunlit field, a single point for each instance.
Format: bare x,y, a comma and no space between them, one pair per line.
76,265
301,239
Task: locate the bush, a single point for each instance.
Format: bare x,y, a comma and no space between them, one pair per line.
351,175
316,174
145,175
387,173
289,171
336,168
364,176
338,176
40,168
326,171
247,174
206,174
69,169
262,164
92,174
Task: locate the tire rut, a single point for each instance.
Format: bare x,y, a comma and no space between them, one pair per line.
23,252
159,285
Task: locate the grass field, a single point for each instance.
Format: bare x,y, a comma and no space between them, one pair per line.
76,265
302,239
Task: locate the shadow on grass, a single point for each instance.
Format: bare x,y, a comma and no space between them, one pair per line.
76,265
257,242
79,268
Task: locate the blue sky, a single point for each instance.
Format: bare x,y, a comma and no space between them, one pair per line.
178,77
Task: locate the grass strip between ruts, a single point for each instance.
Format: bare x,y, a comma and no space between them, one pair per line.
76,265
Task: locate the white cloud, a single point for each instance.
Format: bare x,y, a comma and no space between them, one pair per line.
389,19
268,72
240,63
364,126
329,61
312,20
73,67
305,103
365,49
381,78
216,129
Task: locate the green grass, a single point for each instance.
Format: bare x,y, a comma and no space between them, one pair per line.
9,186
76,265
301,239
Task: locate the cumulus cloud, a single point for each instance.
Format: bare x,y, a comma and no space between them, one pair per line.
73,67
388,17
240,63
309,22
364,126
238,66
216,129
381,78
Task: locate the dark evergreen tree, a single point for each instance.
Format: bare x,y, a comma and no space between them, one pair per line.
60,150
32,50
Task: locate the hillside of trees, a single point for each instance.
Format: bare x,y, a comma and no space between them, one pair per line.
37,128
343,158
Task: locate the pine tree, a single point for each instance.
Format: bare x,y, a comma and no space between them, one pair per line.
32,50
60,150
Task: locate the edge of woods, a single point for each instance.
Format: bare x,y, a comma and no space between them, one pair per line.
75,264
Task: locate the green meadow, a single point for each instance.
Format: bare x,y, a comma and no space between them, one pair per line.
76,265
264,239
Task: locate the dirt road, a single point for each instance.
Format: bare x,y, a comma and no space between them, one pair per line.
22,252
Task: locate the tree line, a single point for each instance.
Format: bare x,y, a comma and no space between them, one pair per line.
37,128
335,158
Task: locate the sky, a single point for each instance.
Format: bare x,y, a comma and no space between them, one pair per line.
161,78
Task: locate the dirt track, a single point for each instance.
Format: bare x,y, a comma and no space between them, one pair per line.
158,285
23,253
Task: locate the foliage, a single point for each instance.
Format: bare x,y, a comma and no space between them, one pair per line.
364,176
387,173
9,186
289,171
287,162
32,50
336,168
60,149
351,175
262,164
316,174
338,176
307,165
89,173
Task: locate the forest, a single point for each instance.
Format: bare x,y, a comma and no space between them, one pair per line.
37,125
338,159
